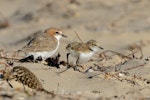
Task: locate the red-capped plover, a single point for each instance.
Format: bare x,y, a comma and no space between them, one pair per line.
44,45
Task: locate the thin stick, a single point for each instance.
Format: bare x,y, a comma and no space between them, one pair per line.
9,83
141,65
7,58
78,37
138,49
4,64
119,54
64,70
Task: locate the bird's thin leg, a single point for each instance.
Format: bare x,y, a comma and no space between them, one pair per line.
68,60
77,61
68,66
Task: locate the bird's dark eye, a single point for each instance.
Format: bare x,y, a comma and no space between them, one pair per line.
57,32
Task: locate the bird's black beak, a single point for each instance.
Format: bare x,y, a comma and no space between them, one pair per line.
101,48
63,35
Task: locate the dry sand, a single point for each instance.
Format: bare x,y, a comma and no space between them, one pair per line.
115,24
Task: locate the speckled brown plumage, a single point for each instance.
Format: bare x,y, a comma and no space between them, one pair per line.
24,76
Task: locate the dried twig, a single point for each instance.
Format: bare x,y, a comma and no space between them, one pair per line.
117,53
134,49
141,65
6,65
78,37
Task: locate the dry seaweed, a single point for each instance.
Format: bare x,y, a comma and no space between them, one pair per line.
27,59
55,61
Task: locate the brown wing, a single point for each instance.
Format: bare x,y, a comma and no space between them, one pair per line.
82,47
42,42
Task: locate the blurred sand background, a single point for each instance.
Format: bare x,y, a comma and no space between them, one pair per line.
115,24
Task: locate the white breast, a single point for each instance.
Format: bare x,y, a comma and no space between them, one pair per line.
84,57
43,54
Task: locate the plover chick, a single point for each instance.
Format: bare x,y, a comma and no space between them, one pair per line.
82,51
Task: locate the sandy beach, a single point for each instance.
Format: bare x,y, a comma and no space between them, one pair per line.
117,25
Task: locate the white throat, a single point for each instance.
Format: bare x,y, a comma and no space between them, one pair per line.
58,37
